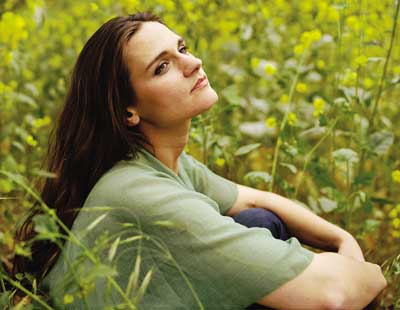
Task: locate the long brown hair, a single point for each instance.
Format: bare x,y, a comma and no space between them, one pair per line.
90,135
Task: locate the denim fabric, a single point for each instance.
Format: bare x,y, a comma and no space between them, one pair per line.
260,217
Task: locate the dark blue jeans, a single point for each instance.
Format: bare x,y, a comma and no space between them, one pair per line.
259,217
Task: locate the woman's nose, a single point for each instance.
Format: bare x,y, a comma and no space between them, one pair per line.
192,64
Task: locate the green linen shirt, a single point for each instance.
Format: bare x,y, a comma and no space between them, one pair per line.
142,219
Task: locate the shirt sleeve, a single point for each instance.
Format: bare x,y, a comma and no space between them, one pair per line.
225,262
223,191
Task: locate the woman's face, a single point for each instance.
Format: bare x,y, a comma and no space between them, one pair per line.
163,84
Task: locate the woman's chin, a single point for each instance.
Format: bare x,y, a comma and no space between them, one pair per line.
212,97
206,102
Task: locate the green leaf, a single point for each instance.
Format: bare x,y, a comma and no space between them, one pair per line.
96,221
291,167
365,178
44,224
18,145
9,163
167,224
345,155
26,99
255,176
246,149
323,120
143,285
100,271
313,132
113,249
134,277
327,204
382,200
6,186
381,141
44,173
375,59
290,149
371,225
23,251
231,93
5,300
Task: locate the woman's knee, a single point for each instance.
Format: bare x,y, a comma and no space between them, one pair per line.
260,217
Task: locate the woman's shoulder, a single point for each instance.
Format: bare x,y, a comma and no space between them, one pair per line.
127,169
130,178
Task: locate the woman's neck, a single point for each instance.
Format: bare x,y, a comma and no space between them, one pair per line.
168,143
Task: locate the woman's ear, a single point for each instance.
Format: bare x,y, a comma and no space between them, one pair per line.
132,116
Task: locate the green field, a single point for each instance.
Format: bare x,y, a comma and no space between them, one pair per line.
308,105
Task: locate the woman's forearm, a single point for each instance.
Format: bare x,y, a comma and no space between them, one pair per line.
306,226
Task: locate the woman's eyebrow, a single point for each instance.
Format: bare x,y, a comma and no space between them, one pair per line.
163,53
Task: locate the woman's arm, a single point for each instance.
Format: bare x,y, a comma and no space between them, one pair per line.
306,226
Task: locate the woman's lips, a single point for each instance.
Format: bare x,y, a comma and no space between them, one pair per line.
200,83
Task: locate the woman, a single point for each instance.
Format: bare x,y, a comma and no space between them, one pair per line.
119,156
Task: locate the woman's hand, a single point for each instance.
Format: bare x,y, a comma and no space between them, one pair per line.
349,247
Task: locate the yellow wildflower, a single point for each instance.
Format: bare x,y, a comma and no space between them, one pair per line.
2,88
320,64
270,69
292,118
333,14
27,74
41,122
319,105
370,33
68,299
220,162
252,8
316,35
353,22
396,223
8,58
55,62
368,83
12,29
270,122
306,7
254,62
31,141
308,37
393,213
298,49
350,78
361,60
13,84
301,88
265,12
395,234
396,176
94,7
284,98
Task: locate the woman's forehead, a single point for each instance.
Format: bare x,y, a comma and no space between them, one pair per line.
151,39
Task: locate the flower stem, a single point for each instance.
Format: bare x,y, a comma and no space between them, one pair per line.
389,52
283,124
308,156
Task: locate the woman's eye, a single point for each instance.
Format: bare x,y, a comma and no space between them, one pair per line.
186,48
161,67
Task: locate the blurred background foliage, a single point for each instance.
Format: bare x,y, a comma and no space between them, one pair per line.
308,101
